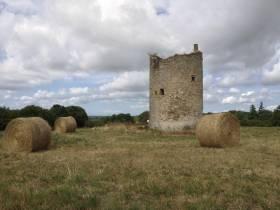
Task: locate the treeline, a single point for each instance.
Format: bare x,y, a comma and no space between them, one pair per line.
118,118
255,117
260,117
50,115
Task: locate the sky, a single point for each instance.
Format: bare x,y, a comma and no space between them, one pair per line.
94,53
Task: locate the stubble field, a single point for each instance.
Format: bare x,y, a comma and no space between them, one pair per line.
142,169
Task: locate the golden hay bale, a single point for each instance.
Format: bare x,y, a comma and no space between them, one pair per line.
65,125
218,130
27,135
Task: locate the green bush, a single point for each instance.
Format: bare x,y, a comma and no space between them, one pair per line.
120,118
37,111
143,117
6,115
58,111
79,114
260,118
95,123
276,117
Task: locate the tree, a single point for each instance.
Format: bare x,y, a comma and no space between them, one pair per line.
79,114
143,117
37,111
276,117
253,113
58,111
241,115
125,118
4,117
264,116
261,107
120,118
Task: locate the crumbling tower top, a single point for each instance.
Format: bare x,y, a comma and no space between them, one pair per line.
195,48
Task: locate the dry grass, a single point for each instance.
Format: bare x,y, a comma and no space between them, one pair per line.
125,169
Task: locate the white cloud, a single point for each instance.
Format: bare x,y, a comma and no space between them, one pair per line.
230,100
58,40
133,81
244,98
220,91
247,100
19,5
249,93
234,90
26,98
248,97
210,98
7,96
272,77
234,78
143,106
43,94
68,38
271,107
208,81
78,91
128,86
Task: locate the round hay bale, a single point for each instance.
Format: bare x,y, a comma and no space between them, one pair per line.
218,130
65,125
27,135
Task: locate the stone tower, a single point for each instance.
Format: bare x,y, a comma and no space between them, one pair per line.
176,91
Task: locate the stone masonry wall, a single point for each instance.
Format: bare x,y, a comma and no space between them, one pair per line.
176,91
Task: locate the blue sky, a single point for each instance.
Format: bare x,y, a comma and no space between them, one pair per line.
94,53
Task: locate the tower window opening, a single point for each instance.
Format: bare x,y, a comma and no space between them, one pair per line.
162,92
193,78
155,92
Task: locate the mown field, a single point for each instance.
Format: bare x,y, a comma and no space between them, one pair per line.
134,169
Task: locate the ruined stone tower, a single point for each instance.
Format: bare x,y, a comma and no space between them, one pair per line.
176,91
